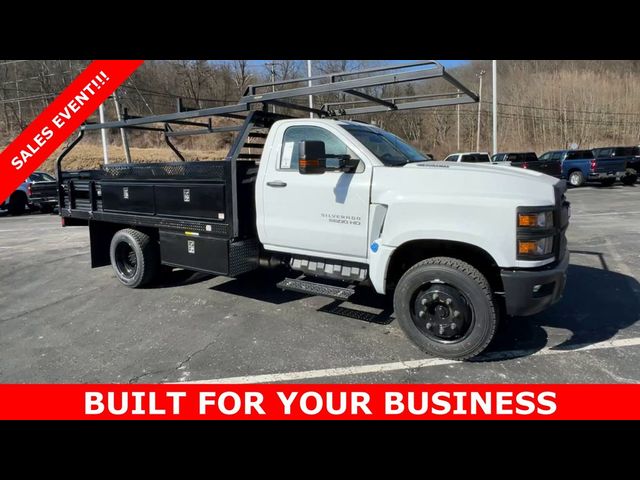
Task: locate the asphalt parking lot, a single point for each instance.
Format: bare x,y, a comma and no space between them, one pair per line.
61,321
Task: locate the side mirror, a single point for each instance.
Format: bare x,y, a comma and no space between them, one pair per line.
348,164
312,159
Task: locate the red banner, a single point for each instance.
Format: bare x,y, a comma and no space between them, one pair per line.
58,121
319,402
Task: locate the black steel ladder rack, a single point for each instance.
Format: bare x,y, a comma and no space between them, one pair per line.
348,83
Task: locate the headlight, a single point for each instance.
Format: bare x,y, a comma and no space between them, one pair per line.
536,248
536,233
535,220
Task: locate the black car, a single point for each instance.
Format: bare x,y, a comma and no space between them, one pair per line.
630,154
529,160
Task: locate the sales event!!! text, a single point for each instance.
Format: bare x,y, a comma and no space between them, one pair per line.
72,107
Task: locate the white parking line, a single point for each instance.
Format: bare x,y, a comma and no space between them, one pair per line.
599,214
409,365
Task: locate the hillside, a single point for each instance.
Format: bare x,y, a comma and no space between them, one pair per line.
542,104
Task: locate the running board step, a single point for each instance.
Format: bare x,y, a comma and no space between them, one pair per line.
313,288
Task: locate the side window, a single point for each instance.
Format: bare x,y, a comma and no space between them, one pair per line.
603,152
451,158
512,157
545,157
556,156
468,159
291,145
529,157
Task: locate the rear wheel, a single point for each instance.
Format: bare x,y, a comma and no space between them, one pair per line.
607,182
446,307
630,177
576,178
134,257
17,203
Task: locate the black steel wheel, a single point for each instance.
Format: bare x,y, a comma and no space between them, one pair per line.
446,307
134,257
442,313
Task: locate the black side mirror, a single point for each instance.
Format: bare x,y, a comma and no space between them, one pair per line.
348,164
312,158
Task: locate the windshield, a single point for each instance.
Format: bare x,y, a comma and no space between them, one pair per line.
389,149
41,177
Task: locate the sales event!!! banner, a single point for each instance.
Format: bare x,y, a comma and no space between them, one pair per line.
319,402
59,120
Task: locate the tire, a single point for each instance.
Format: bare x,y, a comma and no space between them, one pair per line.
17,203
608,182
135,257
576,178
630,177
471,297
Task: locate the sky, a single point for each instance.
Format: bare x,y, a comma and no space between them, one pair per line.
446,63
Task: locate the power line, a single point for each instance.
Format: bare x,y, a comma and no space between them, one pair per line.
551,109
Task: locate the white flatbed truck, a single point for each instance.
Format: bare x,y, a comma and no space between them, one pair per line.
337,203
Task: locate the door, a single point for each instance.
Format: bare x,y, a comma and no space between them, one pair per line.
318,215
545,164
553,162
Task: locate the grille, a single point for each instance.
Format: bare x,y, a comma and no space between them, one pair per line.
561,218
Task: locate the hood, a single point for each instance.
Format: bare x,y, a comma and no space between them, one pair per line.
473,182
501,168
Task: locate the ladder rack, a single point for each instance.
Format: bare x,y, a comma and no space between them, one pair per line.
286,91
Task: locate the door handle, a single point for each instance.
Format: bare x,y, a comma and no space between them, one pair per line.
277,184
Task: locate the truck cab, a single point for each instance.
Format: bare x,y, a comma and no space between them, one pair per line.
396,219
337,204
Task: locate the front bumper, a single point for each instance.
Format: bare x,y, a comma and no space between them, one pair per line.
519,285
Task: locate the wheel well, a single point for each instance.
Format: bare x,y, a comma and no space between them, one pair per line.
101,234
410,253
19,193
574,170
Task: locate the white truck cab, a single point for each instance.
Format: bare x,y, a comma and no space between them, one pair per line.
421,229
336,204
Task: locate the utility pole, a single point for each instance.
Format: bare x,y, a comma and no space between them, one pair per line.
103,134
458,115
123,132
480,75
15,71
272,68
494,77
309,74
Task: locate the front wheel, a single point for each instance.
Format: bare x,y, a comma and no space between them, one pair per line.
446,307
134,257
